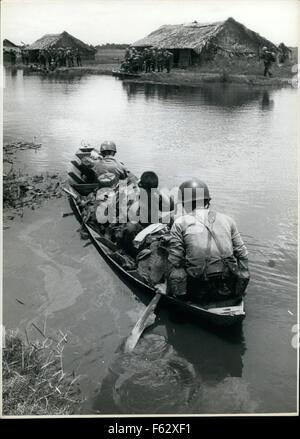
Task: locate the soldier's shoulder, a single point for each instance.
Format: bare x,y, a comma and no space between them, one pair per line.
224,217
184,219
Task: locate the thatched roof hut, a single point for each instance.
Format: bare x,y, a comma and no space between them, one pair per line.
7,44
63,40
194,42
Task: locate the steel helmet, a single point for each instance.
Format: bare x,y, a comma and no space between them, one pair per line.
194,190
107,145
148,180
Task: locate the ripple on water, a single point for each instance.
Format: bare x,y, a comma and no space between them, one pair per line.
153,379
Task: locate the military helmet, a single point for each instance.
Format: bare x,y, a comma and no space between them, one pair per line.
192,191
148,180
108,145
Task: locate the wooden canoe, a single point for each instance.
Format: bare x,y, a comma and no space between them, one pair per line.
84,170
225,315
86,149
81,154
84,189
125,75
88,173
76,178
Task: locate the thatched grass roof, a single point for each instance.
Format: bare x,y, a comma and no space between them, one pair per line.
8,43
59,40
195,35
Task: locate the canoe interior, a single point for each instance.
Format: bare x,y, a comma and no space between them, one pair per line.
86,148
81,155
77,165
84,189
84,170
76,178
225,315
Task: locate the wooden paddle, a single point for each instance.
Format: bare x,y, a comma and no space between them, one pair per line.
143,321
67,191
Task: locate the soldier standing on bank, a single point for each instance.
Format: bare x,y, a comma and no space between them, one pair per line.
268,58
78,58
167,57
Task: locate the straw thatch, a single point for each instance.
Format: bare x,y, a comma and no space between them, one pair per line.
228,35
63,40
9,44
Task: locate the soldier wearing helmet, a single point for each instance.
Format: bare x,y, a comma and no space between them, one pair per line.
208,258
149,205
110,163
268,58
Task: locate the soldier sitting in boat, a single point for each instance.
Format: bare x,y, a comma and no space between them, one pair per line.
91,159
207,256
109,162
150,207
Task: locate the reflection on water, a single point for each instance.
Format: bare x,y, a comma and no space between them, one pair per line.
173,369
266,102
211,94
243,142
152,376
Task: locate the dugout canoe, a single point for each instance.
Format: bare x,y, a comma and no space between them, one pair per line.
81,154
228,313
86,149
84,170
76,178
86,173
84,189
125,75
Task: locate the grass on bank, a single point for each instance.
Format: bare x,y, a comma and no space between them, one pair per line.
34,379
243,66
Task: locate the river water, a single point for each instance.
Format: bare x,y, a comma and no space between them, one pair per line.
243,142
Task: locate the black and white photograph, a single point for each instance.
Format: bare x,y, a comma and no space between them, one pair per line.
149,210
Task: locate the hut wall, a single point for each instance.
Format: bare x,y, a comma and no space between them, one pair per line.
183,58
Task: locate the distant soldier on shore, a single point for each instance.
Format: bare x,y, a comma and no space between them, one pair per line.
160,61
167,60
12,56
268,58
63,57
153,59
42,59
147,60
48,56
25,57
78,58
69,58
